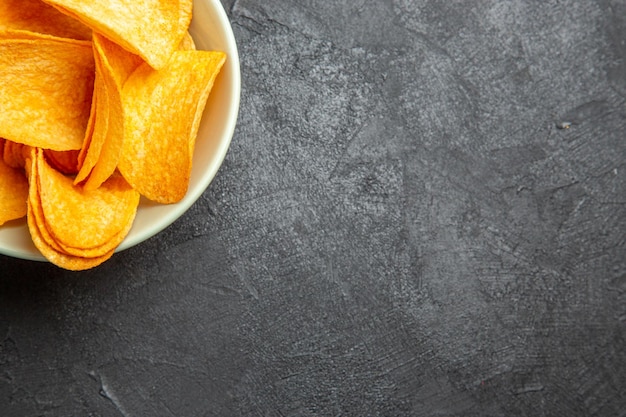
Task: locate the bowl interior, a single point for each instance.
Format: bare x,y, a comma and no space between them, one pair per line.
211,30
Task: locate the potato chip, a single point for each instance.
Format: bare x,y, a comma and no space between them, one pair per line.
82,154
61,259
97,213
84,219
98,251
36,212
92,145
58,257
118,61
35,215
46,91
113,66
13,193
187,44
36,16
152,29
162,112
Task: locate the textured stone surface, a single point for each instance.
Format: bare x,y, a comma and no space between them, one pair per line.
400,228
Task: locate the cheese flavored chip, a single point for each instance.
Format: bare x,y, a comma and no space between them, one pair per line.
113,66
13,193
162,112
47,85
97,129
84,219
43,240
73,228
187,44
35,217
152,29
37,16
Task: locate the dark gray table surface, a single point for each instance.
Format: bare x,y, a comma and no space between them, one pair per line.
400,227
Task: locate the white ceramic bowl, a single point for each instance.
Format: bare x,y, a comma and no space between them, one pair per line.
211,30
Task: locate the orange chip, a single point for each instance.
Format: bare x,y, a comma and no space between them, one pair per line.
99,125
152,29
61,259
82,154
36,220
187,43
113,66
74,229
162,112
84,219
13,193
54,253
36,16
46,91
119,62
35,212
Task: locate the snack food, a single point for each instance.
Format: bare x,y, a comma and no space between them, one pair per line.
136,117
37,16
152,29
164,135
13,192
47,84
